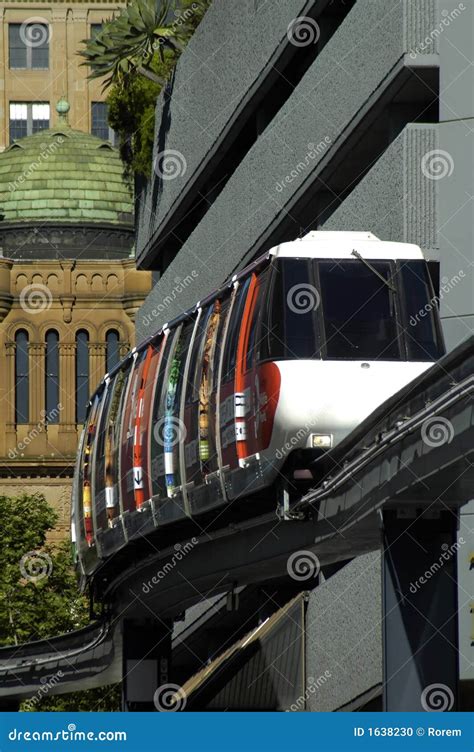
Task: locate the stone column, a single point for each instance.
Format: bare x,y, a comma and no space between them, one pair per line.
8,403
97,365
67,433
36,351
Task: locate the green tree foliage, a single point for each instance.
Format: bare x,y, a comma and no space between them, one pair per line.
100,700
38,590
39,597
137,51
127,43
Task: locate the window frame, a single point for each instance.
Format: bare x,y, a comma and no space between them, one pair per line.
400,338
233,330
272,281
22,397
109,367
111,134
28,49
86,377
433,299
30,130
52,380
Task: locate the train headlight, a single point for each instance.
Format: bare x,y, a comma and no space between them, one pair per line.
321,440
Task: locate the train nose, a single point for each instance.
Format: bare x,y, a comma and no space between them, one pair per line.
332,398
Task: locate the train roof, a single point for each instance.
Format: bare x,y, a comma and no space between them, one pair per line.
322,244
316,244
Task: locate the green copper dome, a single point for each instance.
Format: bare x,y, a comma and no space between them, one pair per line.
63,175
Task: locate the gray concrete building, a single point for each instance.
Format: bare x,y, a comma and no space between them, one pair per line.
296,115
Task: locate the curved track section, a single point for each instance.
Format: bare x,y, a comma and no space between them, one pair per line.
415,452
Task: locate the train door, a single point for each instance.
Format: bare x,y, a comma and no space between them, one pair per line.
112,445
86,493
141,488
192,462
128,430
167,429
208,388
144,423
157,462
261,382
173,426
244,386
231,407
245,472
99,479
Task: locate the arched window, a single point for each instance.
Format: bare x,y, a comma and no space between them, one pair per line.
52,377
22,390
112,351
82,374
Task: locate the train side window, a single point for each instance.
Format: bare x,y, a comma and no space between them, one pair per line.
161,377
190,383
419,304
289,321
101,438
253,342
134,393
225,305
157,462
176,378
230,349
195,370
209,318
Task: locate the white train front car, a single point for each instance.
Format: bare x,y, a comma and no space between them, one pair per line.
350,324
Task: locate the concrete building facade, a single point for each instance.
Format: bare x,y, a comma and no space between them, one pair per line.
320,114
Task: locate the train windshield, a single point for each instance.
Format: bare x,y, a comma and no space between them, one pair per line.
359,313
351,310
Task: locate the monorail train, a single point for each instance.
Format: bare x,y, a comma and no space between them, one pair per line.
242,393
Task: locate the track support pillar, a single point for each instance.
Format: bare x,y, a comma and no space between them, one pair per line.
146,664
419,603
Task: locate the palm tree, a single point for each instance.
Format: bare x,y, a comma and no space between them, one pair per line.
128,42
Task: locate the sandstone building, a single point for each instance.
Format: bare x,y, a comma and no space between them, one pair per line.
39,42
69,291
